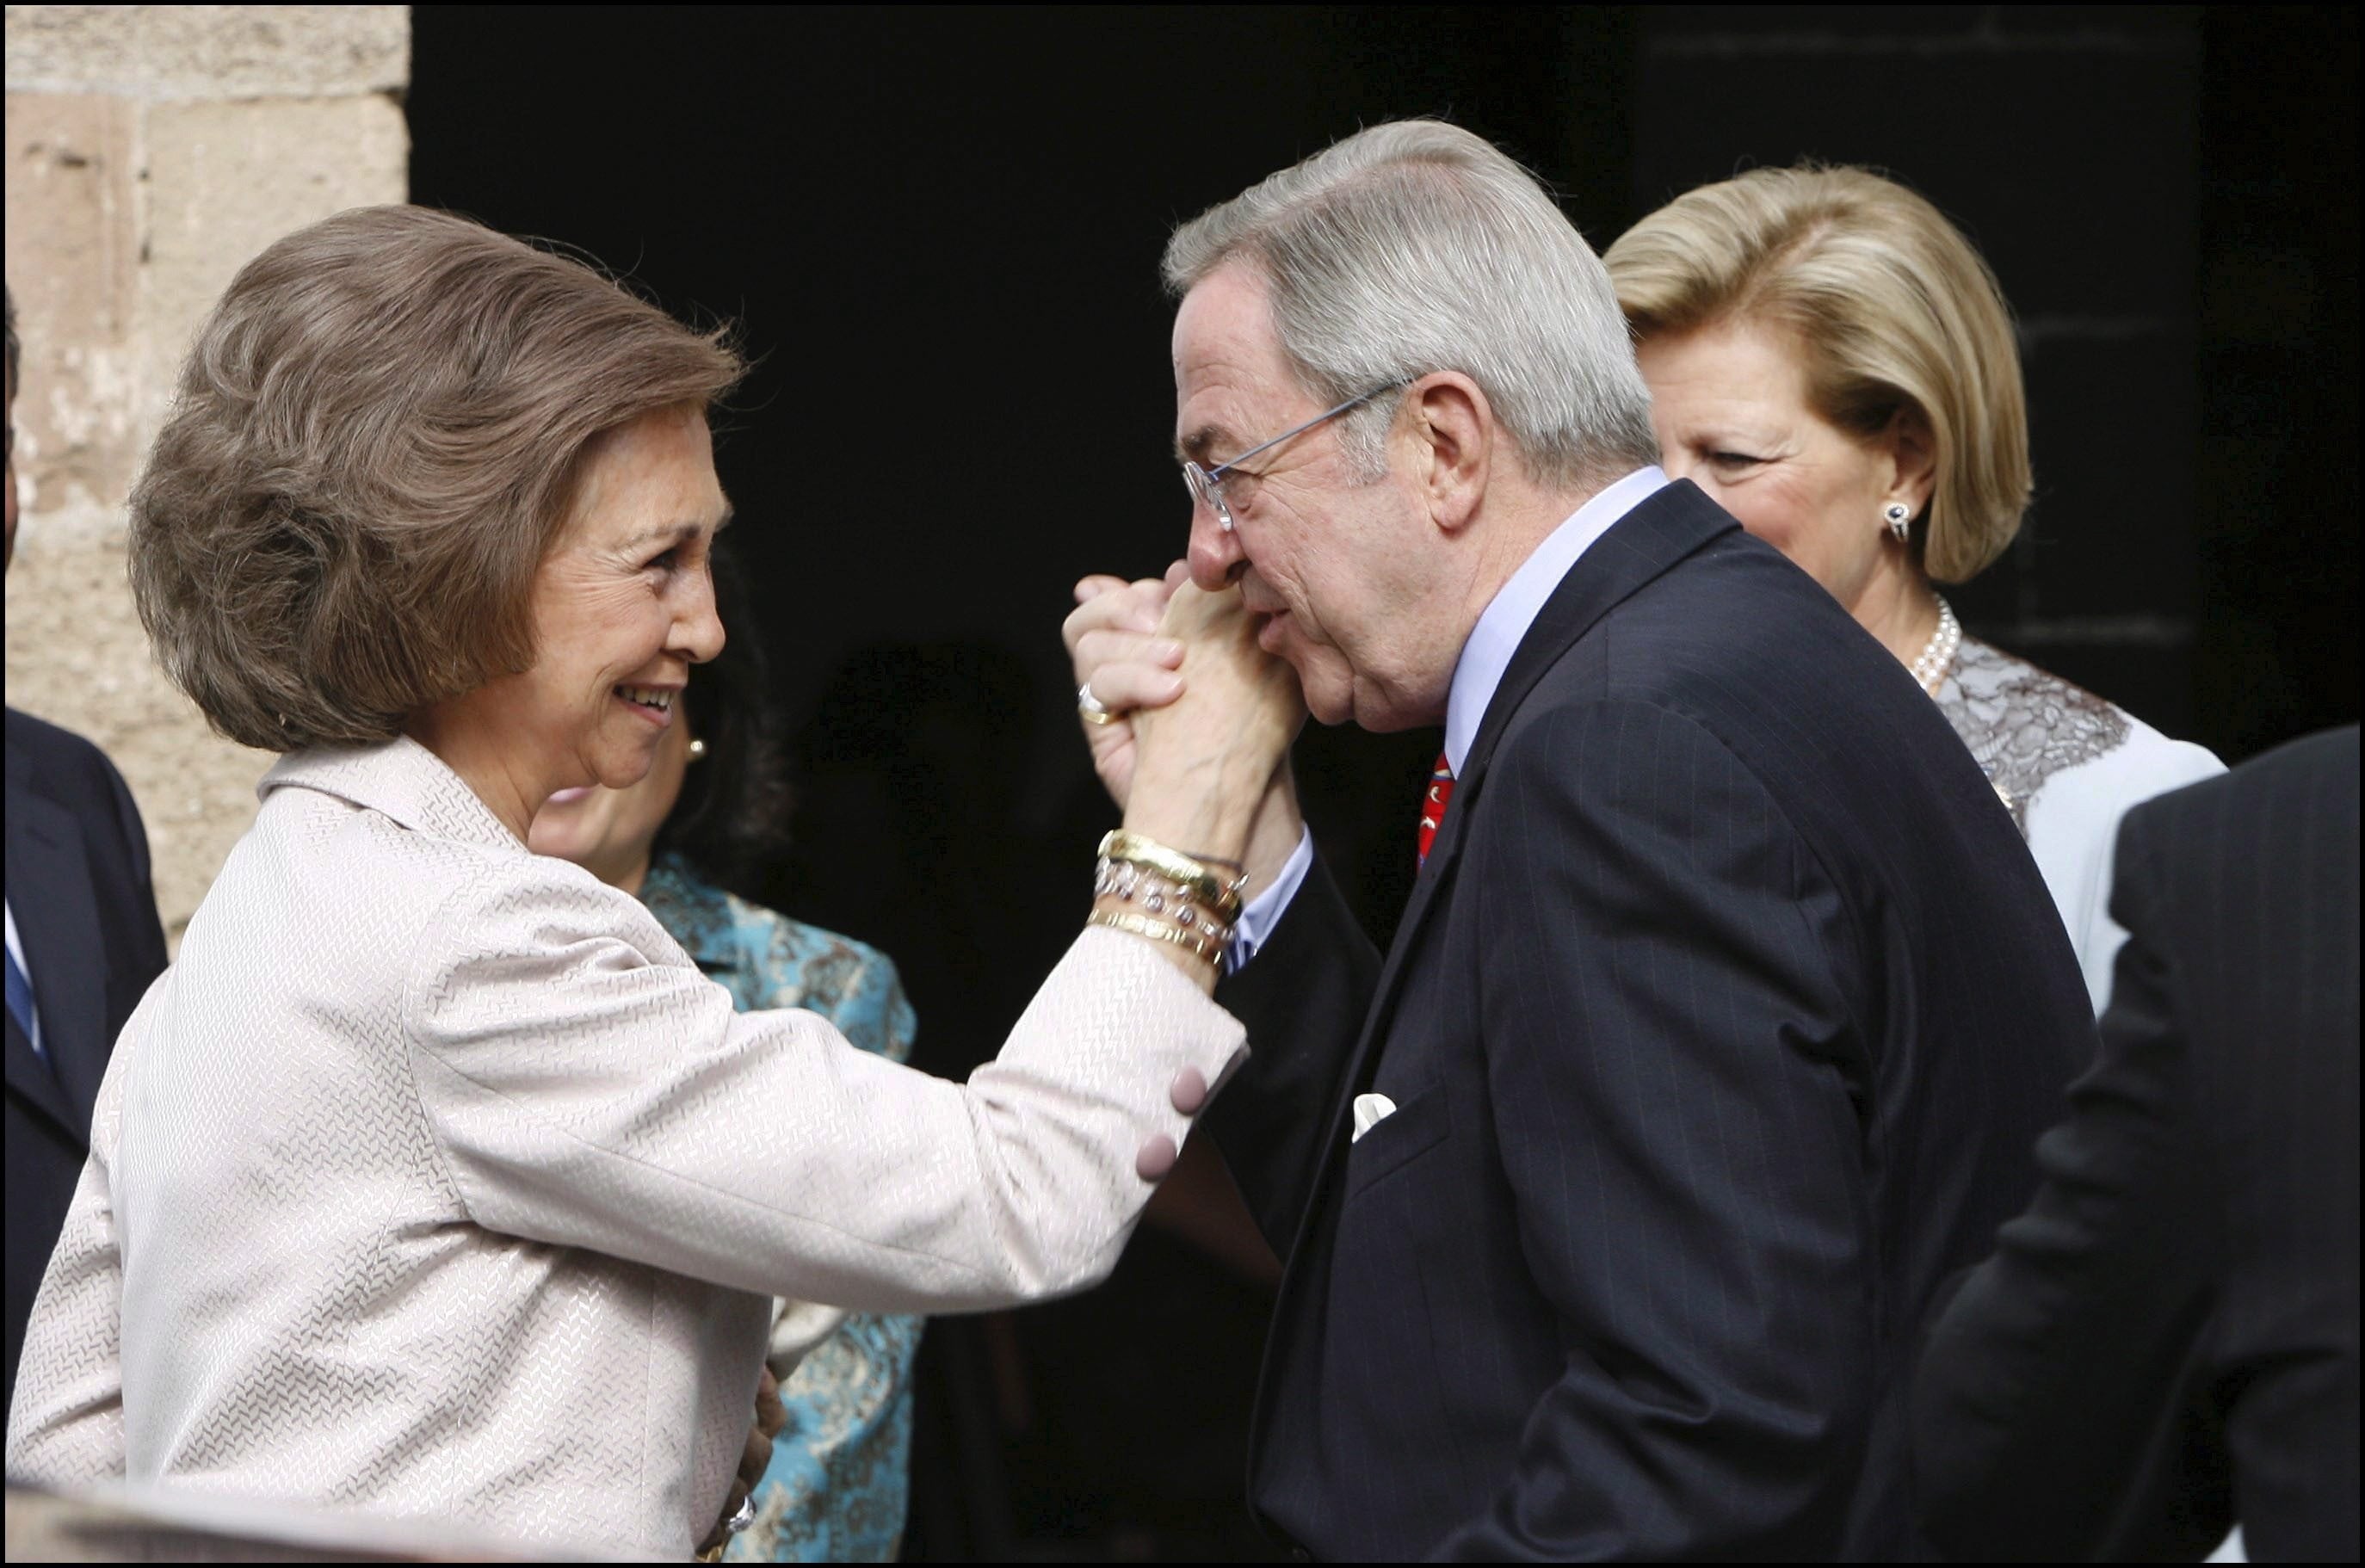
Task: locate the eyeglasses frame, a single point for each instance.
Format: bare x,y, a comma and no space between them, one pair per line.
1208,484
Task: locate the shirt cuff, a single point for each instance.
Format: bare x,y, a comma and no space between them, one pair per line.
1253,929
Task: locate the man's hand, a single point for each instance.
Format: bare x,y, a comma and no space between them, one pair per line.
1205,764
772,1415
1113,643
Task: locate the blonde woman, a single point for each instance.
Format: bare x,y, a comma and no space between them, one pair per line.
1834,365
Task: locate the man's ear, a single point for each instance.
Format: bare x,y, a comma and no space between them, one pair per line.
1913,450
1456,431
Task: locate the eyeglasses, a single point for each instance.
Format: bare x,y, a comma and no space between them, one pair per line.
1206,485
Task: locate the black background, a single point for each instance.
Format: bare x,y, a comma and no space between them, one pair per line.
939,232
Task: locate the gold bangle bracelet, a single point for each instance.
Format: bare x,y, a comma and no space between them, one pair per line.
1140,926
1188,875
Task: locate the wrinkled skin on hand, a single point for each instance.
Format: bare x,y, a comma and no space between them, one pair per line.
772,1415
1240,704
1120,643
1113,643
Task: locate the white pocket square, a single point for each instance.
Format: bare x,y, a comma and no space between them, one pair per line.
1370,1111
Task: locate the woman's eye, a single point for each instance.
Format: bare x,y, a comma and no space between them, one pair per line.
664,561
1733,459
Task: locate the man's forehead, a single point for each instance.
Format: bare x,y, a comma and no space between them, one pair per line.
1216,400
1227,315
1229,369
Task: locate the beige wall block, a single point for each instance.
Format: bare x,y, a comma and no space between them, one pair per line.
153,152
73,253
210,51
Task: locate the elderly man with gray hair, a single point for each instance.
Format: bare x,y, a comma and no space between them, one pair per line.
1612,1199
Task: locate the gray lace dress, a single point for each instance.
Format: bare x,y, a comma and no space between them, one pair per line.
2069,764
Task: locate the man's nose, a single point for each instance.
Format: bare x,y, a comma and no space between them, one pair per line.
1216,559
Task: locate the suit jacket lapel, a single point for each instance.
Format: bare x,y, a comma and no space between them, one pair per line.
57,921
29,1078
1672,524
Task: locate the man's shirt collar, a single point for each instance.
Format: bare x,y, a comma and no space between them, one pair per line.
1515,607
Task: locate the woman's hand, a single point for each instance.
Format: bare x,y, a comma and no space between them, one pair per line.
1202,766
1115,645
772,1415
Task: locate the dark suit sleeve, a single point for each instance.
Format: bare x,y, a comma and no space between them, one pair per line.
142,956
2060,1408
1671,1073
1302,999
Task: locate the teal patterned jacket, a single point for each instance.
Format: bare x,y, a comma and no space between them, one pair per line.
839,1481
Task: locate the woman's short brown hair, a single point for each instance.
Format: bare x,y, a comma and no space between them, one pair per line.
1891,307
374,444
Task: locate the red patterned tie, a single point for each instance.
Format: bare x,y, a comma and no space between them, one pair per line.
1432,809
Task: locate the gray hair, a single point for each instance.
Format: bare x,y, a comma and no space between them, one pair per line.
1418,247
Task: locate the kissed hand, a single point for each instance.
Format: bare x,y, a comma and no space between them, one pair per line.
1120,645
1116,649
1202,764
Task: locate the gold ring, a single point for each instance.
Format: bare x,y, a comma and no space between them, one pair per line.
1091,710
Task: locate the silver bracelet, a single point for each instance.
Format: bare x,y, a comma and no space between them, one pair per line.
1160,896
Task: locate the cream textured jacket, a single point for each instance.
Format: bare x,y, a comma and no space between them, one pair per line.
433,1179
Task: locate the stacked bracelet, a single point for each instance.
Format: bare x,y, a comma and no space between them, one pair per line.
1155,895
1188,876
1209,949
1174,897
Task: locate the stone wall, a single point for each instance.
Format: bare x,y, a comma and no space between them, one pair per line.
152,150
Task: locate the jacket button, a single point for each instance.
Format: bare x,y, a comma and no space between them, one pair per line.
1156,1159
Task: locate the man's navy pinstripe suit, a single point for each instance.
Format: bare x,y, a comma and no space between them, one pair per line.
1723,1019
2167,1338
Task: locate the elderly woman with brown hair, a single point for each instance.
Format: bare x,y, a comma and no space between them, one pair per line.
433,1177
1831,360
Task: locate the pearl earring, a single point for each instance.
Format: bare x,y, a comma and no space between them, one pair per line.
697,750
1900,518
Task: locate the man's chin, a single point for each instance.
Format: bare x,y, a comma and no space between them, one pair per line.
1384,712
1329,699
1331,715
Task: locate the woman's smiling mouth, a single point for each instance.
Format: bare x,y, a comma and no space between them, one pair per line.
653,704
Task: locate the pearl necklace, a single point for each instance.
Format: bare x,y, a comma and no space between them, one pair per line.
1939,651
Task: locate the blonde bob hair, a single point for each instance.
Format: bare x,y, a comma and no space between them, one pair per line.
374,443
1891,307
